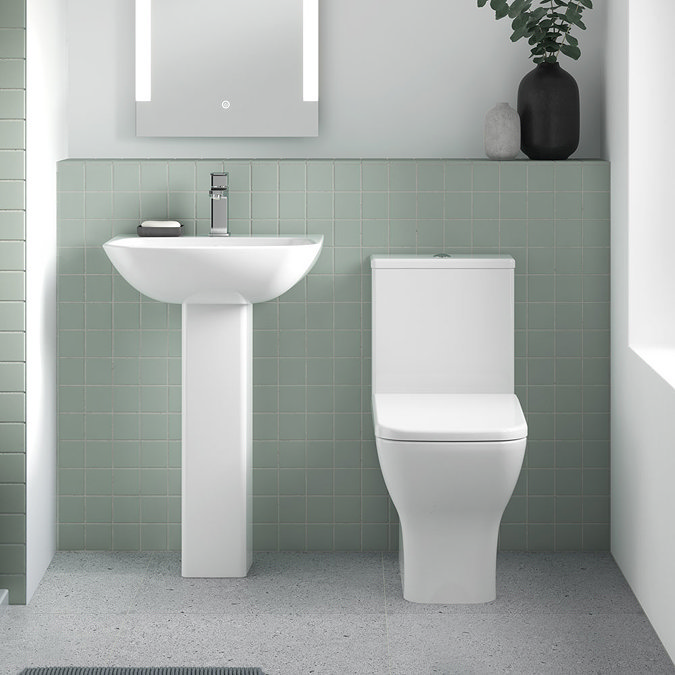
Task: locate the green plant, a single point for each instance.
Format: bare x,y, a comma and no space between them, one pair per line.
547,27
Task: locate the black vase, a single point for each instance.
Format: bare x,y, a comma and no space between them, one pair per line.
548,105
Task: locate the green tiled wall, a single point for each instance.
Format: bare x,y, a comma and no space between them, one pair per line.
317,484
12,283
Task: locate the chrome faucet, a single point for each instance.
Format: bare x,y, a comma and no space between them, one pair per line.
219,199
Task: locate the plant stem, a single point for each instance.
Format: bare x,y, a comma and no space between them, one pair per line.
569,27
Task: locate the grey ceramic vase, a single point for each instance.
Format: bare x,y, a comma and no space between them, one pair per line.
502,132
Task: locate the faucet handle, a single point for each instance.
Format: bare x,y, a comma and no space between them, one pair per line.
219,180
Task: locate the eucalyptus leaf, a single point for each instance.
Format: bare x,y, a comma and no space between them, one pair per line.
572,52
546,28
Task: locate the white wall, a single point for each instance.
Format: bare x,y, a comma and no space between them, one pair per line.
398,79
45,145
643,401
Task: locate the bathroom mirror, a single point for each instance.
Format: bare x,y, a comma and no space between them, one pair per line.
227,68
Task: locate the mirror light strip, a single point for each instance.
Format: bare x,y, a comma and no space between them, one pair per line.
143,50
310,50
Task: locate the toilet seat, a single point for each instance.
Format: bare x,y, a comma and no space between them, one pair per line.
448,417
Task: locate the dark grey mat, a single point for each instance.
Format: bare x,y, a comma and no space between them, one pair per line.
141,671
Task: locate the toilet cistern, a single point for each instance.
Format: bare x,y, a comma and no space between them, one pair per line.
219,194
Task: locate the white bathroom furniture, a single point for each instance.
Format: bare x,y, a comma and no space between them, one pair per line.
450,432
216,280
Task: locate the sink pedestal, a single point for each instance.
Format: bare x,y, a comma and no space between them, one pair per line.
216,449
216,280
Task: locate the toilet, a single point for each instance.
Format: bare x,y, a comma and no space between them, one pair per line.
449,430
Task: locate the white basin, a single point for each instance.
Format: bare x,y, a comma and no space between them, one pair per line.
213,270
216,279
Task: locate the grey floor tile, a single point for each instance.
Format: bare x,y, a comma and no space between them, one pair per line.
280,644
277,583
86,593
99,562
528,644
30,639
530,582
331,613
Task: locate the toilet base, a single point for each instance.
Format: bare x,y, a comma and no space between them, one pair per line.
457,568
450,498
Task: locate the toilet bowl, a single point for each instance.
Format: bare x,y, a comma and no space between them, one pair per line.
450,433
450,482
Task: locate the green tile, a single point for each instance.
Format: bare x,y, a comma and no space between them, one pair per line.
403,175
458,176
485,177
596,205
347,205
513,205
568,233
540,205
12,224
12,132
568,177
12,406
430,205
430,176
512,537
12,529
12,43
264,175
319,175
126,537
12,346
595,537
13,14
12,104
513,177
375,175
292,175
540,232
457,233
98,176
568,287
347,537
12,467
320,204
596,177
375,205
320,537
540,509
568,205
568,343
319,509
12,165
458,205
154,176
12,257
12,558
540,176
347,175
430,234
12,73
12,194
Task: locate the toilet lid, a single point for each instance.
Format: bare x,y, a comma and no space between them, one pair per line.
448,417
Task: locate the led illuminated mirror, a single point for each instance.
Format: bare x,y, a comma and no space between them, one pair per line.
227,68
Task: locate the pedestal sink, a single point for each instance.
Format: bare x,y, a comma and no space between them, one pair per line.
216,280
